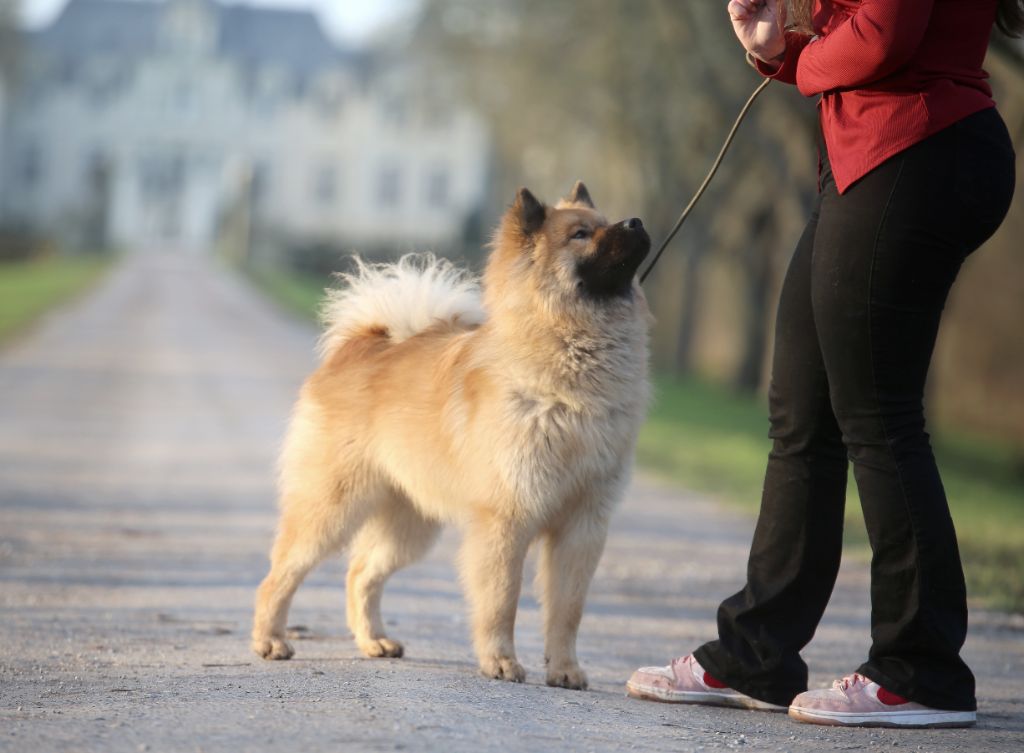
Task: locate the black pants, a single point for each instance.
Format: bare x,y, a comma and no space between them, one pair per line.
857,321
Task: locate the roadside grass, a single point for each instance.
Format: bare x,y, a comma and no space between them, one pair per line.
712,441
300,295
30,288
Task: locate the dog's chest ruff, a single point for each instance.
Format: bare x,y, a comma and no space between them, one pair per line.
563,444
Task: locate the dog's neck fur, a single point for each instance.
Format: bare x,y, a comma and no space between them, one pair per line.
580,362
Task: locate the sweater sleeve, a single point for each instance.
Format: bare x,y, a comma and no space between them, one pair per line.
878,38
786,72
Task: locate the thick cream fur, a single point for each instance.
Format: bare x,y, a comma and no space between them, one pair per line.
406,298
511,411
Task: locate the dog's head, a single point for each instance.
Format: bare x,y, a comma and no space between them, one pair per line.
569,253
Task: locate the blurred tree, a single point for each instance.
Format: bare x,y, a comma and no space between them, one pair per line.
977,381
9,38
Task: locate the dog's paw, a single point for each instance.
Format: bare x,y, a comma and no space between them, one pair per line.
381,647
569,676
272,648
502,668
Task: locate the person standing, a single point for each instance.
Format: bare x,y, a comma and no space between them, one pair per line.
917,170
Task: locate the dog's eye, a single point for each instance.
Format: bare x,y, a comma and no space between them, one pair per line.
580,235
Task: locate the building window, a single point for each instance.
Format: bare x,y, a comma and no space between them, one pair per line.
103,83
328,105
325,185
183,98
68,73
394,111
389,187
327,94
259,185
266,90
437,116
30,168
438,188
161,176
95,169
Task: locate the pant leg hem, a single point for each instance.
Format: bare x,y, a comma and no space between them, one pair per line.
720,665
916,694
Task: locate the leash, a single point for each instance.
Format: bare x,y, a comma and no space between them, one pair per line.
707,180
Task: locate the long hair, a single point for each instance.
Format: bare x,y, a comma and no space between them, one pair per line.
1009,18
799,16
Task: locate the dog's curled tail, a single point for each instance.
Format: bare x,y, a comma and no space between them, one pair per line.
398,300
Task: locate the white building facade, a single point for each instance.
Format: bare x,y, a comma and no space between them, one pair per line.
153,120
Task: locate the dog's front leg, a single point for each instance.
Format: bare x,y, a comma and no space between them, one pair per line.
492,570
568,558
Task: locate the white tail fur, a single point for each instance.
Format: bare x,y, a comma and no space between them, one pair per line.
405,298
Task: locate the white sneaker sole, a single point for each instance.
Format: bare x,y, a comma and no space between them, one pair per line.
916,718
732,700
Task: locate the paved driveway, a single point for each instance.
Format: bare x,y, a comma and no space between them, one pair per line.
138,429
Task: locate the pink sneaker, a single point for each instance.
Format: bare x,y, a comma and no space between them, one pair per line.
856,701
685,681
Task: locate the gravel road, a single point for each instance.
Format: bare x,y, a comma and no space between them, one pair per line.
138,429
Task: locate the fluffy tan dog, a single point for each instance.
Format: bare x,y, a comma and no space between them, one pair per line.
513,414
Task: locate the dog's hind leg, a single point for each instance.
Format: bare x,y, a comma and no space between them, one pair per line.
311,528
568,558
395,536
492,571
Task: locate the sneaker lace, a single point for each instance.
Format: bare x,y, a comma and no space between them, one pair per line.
849,681
683,660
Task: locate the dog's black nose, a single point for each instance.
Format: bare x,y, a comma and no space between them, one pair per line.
633,224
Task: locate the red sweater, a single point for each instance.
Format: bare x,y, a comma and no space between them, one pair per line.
890,73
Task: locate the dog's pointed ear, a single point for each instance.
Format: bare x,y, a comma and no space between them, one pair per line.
528,212
580,195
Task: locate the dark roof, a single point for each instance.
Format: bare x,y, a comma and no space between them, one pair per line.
85,27
286,37
253,36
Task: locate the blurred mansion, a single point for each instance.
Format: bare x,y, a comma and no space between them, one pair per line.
172,125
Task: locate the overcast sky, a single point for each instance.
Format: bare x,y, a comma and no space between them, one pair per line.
347,20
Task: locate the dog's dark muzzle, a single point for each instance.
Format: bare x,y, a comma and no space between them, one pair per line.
610,269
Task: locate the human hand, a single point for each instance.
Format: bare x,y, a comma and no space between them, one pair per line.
760,25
